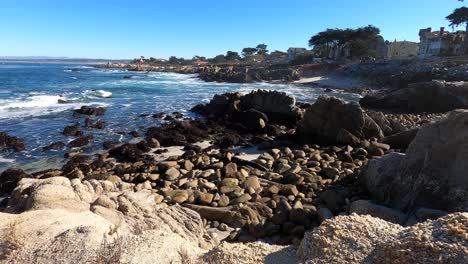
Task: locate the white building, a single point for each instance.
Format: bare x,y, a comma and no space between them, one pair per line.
440,43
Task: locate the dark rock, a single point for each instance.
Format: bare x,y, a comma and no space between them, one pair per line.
89,110
134,134
158,115
229,140
180,133
10,178
331,120
11,142
77,162
72,131
400,140
80,142
56,145
109,144
433,96
127,153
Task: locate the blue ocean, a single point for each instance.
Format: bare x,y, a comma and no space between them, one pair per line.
37,102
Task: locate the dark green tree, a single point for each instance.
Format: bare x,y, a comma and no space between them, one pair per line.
262,49
248,51
196,57
457,18
361,41
232,55
173,60
218,59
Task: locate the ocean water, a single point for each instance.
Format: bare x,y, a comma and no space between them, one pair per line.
37,101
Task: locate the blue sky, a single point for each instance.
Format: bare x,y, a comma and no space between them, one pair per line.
117,29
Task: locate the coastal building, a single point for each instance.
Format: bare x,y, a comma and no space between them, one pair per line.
403,49
440,43
293,52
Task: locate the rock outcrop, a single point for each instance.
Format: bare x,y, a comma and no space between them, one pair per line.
331,120
433,97
431,174
364,239
254,110
11,142
247,74
96,221
89,111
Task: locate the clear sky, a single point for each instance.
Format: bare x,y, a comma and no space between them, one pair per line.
116,29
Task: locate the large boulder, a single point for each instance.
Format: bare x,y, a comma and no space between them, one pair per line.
276,106
89,110
432,173
96,222
332,120
11,142
400,140
365,239
434,96
181,133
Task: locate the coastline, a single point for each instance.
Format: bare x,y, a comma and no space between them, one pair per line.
270,168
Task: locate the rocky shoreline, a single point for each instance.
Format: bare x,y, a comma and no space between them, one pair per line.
315,162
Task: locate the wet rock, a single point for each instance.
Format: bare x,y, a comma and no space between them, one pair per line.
127,153
89,110
180,133
11,142
56,145
80,142
72,131
109,144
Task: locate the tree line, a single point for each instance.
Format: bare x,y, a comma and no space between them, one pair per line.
359,42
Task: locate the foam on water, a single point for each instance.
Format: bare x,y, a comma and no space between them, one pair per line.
4,160
36,105
99,93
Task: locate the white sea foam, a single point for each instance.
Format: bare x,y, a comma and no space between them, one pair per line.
37,105
4,160
31,102
99,93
